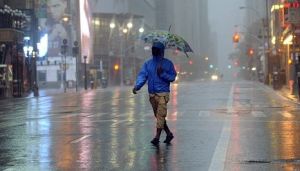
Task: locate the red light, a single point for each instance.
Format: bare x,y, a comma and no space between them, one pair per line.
175,52
237,63
191,62
292,5
250,52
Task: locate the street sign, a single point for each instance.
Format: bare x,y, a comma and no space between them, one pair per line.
292,11
294,16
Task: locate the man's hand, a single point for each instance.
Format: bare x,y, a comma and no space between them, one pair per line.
134,90
159,70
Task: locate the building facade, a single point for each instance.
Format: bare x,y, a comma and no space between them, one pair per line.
285,37
17,67
193,26
118,27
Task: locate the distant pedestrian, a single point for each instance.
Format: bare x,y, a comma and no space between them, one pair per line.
159,72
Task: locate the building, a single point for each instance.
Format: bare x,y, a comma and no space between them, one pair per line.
17,68
118,49
285,36
171,14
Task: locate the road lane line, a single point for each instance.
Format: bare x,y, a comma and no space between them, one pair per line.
204,113
219,156
79,139
258,114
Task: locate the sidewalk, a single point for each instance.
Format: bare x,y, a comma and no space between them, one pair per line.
285,92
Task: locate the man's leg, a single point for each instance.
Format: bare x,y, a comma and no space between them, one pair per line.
161,113
154,104
169,134
166,128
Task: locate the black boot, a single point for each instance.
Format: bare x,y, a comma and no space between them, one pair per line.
166,128
170,136
155,140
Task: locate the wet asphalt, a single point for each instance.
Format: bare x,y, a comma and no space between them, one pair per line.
217,126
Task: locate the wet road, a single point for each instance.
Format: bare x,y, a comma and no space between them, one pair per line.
217,126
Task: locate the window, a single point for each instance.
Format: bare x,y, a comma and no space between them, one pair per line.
42,75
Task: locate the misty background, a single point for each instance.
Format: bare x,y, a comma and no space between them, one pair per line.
223,16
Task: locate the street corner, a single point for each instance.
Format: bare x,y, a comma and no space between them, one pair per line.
286,93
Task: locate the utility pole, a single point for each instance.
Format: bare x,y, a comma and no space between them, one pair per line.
268,45
34,42
78,35
64,62
75,54
85,73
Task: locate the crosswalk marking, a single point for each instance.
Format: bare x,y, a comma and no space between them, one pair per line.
287,114
258,114
79,139
204,113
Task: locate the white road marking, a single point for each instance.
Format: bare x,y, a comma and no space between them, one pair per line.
79,139
258,114
219,156
204,113
287,114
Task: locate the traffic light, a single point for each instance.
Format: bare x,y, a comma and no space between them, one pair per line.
250,52
236,38
191,62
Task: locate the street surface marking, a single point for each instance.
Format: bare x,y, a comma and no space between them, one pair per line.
287,114
219,156
67,116
204,114
258,114
80,139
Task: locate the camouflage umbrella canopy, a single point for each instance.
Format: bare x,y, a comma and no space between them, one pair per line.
171,41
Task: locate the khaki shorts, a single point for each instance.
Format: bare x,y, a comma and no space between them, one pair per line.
159,104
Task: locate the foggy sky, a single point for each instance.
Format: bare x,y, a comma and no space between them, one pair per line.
223,16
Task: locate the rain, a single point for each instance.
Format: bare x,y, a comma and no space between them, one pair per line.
152,85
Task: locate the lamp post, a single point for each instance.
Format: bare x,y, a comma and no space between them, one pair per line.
126,28
85,73
64,63
35,84
75,54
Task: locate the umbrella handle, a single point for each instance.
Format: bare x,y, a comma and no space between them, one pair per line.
170,27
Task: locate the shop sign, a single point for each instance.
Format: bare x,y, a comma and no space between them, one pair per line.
292,8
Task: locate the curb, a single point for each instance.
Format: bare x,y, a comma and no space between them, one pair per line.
281,94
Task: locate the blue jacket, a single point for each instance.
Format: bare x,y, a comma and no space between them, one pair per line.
156,84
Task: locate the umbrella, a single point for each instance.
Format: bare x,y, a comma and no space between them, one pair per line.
170,40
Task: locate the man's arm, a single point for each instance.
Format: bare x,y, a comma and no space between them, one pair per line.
141,78
170,74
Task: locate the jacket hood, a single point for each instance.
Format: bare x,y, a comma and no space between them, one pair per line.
159,45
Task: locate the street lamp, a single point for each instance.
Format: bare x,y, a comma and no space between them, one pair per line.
112,25
125,30
129,25
141,30
64,62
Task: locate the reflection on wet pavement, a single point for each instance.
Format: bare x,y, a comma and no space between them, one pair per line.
111,130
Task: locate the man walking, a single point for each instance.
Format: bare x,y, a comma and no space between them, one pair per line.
159,72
